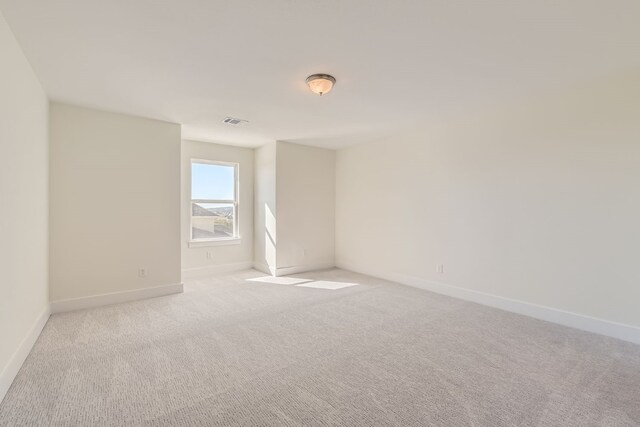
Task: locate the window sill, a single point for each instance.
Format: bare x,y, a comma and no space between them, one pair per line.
214,242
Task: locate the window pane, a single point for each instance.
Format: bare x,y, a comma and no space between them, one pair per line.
212,220
212,182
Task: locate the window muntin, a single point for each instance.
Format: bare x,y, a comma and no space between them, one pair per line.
214,201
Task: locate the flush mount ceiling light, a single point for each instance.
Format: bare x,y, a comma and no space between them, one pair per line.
321,83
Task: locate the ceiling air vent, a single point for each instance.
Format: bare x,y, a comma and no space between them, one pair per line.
234,122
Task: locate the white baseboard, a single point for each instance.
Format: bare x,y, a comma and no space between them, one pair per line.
549,314
284,271
264,268
213,270
62,306
15,362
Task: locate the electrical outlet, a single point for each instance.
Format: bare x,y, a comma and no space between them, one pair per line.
142,272
209,255
440,268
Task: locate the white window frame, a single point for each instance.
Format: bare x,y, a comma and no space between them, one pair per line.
216,241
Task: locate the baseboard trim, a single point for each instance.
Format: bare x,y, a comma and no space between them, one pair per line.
213,270
549,314
19,356
81,303
284,271
264,268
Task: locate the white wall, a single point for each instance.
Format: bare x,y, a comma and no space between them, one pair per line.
227,257
265,208
115,202
539,204
294,208
305,192
24,207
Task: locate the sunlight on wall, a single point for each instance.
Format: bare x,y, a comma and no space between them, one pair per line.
269,237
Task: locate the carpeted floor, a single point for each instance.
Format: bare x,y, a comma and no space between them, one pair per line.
342,349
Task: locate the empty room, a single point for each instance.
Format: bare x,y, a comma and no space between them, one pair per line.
320,213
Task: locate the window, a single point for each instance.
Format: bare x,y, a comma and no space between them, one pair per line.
214,201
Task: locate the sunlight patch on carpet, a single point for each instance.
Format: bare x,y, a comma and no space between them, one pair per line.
326,284
279,280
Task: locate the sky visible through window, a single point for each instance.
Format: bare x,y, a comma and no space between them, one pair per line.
212,182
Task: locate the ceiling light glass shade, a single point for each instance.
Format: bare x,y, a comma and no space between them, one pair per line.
321,83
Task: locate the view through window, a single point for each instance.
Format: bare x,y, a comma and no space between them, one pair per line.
214,200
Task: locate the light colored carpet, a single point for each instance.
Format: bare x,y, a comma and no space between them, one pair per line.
232,351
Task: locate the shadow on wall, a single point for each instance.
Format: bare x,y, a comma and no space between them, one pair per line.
304,283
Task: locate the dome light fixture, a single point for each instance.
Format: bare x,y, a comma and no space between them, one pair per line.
321,83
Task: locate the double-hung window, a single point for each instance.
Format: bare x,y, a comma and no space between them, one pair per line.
214,201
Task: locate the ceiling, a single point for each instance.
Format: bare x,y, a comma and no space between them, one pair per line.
397,63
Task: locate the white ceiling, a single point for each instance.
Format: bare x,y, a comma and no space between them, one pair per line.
397,62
